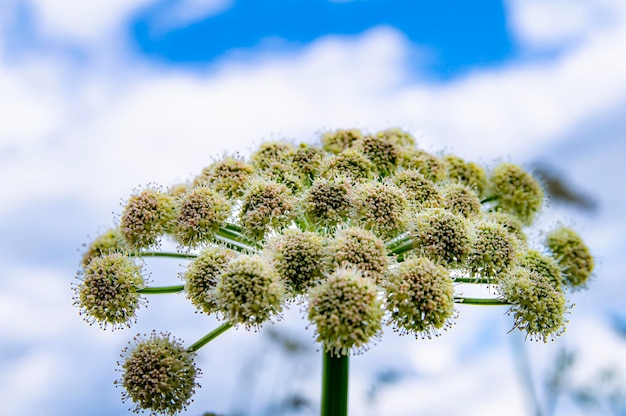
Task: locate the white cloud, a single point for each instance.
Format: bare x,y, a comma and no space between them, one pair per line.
188,11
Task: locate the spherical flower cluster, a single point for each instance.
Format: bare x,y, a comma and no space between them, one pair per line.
307,161
265,204
572,255
158,374
249,291
461,200
108,291
200,213
516,192
360,249
298,258
111,241
284,173
328,201
420,297
383,153
493,250
146,217
442,237
271,152
511,223
543,265
350,163
432,167
202,275
399,137
381,208
227,176
339,140
538,307
346,312
419,191
466,173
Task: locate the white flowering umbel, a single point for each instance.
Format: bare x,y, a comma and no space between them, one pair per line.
363,230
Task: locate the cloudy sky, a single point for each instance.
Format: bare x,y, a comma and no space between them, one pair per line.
99,97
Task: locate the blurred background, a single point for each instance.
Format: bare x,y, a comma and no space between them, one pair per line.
100,97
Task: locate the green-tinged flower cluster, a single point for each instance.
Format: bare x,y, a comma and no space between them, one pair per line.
420,297
381,208
346,312
146,217
249,291
572,255
108,291
203,274
200,213
538,308
366,229
442,236
360,249
516,192
298,258
493,250
158,374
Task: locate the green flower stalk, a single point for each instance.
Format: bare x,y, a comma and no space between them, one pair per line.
365,230
158,374
346,312
108,290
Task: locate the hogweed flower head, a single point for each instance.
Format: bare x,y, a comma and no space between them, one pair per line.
510,222
461,200
266,204
397,136
517,192
307,160
272,152
572,254
227,176
298,258
328,201
442,237
382,152
111,241
249,291
538,308
346,312
158,374
543,265
339,140
466,173
146,217
200,213
419,191
202,275
360,249
350,163
432,167
420,297
108,291
381,208
493,250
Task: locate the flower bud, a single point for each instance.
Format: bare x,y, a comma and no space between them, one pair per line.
493,251
397,136
307,161
420,192
383,153
546,266
271,152
510,222
158,374
350,163
111,241
108,291
381,208
420,297
432,167
266,204
442,236
461,200
328,201
339,140
346,312
466,173
227,176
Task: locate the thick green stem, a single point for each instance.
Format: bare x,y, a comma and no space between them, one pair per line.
161,289
335,385
480,301
164,254
209,337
